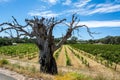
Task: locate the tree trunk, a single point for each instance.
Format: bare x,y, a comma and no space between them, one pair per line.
47,64
46,60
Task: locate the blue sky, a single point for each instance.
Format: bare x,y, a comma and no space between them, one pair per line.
101,16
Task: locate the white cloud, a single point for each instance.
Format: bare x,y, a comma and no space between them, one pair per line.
81,3
50,1
53,1
41,8
43,14
113,23
81,7
105,8
90,6
84,8
67,2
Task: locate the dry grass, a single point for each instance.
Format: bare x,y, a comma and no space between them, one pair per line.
30,72
72,76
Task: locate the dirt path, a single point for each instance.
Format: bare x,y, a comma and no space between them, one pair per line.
76,63
61,61
97,68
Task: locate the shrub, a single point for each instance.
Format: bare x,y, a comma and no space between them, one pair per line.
4,62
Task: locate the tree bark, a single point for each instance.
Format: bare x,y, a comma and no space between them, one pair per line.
47,63
46,59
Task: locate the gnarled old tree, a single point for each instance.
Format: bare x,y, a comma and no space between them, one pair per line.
42,30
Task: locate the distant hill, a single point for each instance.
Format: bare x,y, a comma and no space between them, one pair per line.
105,31
107,40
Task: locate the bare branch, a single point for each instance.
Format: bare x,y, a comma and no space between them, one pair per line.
73,25
78,26
9,33
3,29
16,27
15,20
54,23
74,18
64,39
58,22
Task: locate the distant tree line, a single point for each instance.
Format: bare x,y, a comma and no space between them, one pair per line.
4,41
107,40
72,40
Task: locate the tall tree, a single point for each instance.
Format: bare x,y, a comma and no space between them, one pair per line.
42,30
73,40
